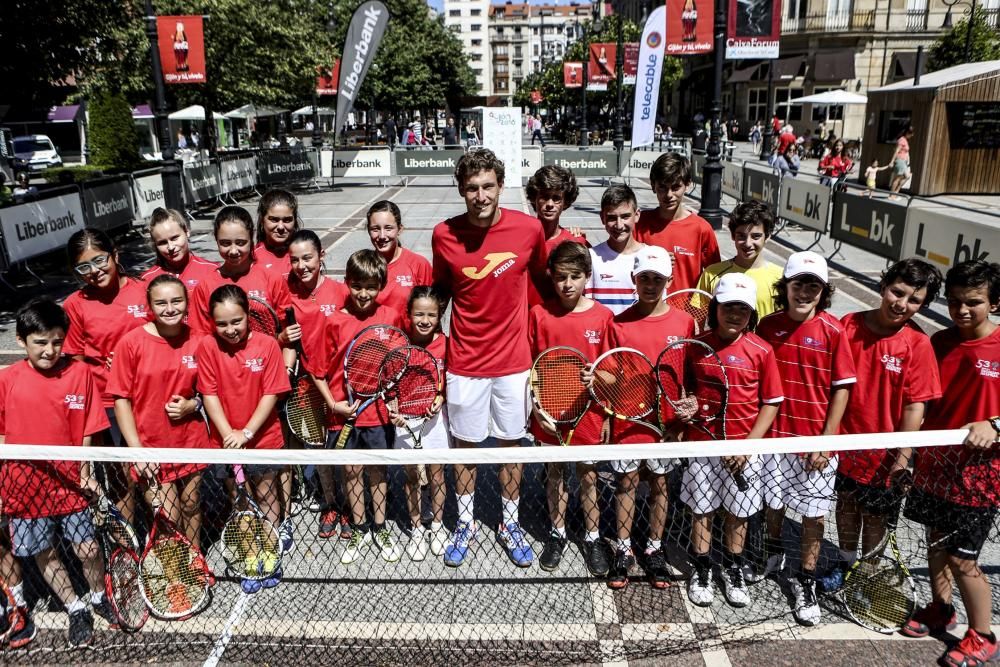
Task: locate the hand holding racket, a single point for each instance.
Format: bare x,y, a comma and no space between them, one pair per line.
557,389
119,547
305,410
416,393
624,385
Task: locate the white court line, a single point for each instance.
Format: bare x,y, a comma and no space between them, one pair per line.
227,632
363,207
713,651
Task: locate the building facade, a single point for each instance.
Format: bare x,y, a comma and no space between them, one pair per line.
468,19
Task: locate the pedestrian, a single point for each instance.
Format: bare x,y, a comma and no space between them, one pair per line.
417,127
835,165
901,161
786,138
787,162
755,137
870,173
391,132
450,133
536,131
472,134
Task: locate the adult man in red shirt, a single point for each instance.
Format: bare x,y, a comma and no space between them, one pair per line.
484,259
785,139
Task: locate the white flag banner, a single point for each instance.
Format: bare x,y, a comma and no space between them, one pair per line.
647,84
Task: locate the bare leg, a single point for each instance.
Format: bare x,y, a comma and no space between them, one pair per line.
588,496
354,479
658,506
812,539
413,494
558,498
378,487
625,503
975,589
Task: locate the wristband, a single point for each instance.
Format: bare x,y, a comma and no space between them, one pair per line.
995,423
248,434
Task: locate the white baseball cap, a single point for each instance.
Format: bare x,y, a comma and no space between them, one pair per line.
807,263
736,287
652,258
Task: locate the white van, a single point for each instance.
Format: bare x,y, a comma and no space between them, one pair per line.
35,152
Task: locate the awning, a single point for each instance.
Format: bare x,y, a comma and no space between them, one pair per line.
743,75
142,112
838,66
788,67
64,114
308,111
904,65
195,112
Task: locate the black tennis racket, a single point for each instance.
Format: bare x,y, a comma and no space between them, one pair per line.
119,548
557,391
305,409
624,386
262,318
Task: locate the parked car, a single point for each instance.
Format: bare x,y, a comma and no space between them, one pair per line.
35,152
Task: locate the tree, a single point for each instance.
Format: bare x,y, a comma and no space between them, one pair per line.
949,49
113,140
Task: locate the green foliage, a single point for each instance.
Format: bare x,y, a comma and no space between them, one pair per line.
113,140
77,174
949,49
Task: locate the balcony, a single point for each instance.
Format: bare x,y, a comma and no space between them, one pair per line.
916,20
862,21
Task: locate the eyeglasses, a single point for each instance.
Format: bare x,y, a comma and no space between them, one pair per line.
287,220
99,262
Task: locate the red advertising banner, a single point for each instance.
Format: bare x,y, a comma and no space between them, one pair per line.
536,97
327,78
754,29
572,75
689,27
181,40
602,65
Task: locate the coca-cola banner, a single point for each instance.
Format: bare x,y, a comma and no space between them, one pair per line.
601,69
754,29
689,27
572,75
327,77
182,48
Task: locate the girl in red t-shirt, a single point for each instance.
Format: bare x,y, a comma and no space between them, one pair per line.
171,237
835,165
405,267
154,382
277,220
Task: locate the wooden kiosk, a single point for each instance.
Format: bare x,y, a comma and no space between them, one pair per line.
955,115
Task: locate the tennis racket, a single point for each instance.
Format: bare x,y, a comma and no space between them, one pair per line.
120,547
557,390
691,371
305,409
10,620
363,375
625,387
174,575
695,303
250,544
414,385
262,318
878,591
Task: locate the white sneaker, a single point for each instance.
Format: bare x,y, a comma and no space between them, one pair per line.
439,540
701,590
360,539
807,611
417,547
734,587
388,545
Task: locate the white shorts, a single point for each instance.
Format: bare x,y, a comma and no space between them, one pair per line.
481,407
655,466
787,484
433,433
707,485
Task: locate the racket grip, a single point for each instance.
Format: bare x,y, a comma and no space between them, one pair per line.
289,316
345,433
741,482
238,473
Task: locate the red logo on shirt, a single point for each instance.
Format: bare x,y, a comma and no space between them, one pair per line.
257,294
74,401
496,263
987,368
892,364
255,365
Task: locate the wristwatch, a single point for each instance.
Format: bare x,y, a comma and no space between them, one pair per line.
995,423
248,434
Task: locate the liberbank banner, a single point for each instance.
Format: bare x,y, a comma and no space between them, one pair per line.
284,167
584,163
761,186
946,239
148,190
202,183
356,164
107,204
875,225
238,174
41,226
427,163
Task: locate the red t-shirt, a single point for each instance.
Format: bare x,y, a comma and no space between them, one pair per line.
814,359
272,262
486,270
257,282
96,326
60,407
549,325
312,310
196,270
406,272
341,328
540,287
970,369
649,335
893,371
690,241
239,377
754,380
835,166
785,139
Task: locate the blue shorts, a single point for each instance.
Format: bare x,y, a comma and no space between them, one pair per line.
365,437
33,536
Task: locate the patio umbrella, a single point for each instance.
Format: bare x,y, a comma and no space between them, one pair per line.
832,98
193,112
255,111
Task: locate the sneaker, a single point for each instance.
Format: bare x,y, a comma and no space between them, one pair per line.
24,629
201,565
833,580
388,545
806,610
734,587
595,554
656,568
974,650
417,547
930,619
360,538
104,610
250,586
439,540
285,535
512,538
553,552
329,524
618,573
81,628
458,547
775,565
701,589
272,581
346,531
178,601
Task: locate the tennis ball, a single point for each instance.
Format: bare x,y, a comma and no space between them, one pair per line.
262,563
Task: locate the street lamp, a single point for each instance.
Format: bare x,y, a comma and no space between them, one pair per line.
331,25
971,13
619,137
171,170
711,188
765,148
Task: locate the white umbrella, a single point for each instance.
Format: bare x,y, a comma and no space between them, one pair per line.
255,111
308,111
193,112
834,97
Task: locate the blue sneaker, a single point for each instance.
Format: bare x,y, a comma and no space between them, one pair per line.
285,535
272,581
512,538
458,547
833,580
250,586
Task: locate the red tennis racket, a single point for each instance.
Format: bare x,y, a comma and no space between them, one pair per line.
414,386
695,303
625,387
557,391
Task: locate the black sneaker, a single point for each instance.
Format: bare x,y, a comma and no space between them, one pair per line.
81,628
26,634
553,552
104,610
618,575
656,568
596,555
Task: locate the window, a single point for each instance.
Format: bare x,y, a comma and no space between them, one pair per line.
476,27
477,56
500,50
454,12
500,68
534,49
916,15
500,30
476,12
477,42
534,30
891,124
517,51
791,112
455,27
819,111
757,104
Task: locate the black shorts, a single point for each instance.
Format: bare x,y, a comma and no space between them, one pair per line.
114,438
964,529
365,437
873,499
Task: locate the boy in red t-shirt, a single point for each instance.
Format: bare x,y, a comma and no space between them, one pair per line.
45,499
550,191
957,489
687,236
897,375
571,320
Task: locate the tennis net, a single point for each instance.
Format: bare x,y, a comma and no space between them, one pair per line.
387,606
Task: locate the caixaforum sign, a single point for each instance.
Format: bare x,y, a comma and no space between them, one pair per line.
41,226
